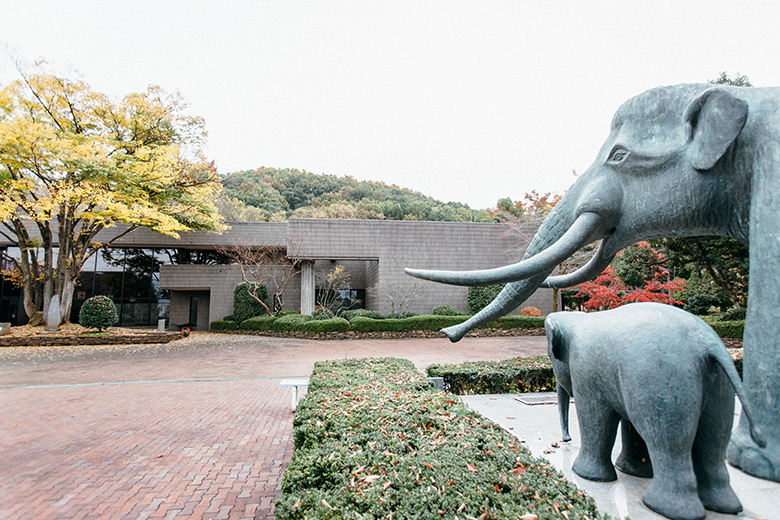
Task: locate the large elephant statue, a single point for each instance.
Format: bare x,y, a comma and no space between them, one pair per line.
685,160
666,375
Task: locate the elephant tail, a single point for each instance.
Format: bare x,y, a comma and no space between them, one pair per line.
721,356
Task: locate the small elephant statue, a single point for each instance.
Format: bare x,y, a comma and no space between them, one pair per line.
665,374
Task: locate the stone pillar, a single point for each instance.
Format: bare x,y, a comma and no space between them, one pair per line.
307,288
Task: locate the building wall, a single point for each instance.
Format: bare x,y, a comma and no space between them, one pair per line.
395,245
375,252
180,309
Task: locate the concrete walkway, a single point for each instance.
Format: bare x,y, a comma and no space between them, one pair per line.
198,428
538,426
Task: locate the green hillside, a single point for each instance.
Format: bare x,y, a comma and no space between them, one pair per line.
274,195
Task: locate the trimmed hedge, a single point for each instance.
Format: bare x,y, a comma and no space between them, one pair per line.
258,323
729,329
223,325
326,325
290,322
516,321
515,375
364,323
372,440
365,313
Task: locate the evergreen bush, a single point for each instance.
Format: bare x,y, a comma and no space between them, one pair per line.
401,315
479,297
98,312
258,323
223,325
497,377
322,313
516,321
729,329
363,324
734,314
290,322
244,306
446,310
364,313
334,324
372,441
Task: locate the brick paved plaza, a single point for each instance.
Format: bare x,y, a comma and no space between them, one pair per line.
198,428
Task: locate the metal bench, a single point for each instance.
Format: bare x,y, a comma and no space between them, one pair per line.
294,383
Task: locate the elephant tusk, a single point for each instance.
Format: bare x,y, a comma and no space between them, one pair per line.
578,235
589,271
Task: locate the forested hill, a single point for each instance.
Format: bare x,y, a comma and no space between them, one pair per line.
269,194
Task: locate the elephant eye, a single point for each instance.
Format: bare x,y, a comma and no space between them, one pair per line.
618,155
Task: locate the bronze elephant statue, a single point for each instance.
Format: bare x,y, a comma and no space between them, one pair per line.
684,160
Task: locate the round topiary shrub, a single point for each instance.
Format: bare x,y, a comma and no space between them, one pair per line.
445,310
98,312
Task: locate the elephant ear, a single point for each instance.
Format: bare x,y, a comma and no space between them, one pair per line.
716,119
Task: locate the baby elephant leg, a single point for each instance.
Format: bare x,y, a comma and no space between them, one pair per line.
709,449
598,427
673,490
634,458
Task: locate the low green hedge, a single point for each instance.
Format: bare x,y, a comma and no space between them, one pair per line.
290,322
497,377
224,325
516,321
372,441
729,329
258,323
327,325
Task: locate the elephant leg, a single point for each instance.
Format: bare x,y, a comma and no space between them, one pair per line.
669,437
598,428
634,458
709,448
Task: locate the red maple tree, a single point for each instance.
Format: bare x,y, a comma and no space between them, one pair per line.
608,291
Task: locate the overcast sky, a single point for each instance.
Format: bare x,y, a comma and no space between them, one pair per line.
463,101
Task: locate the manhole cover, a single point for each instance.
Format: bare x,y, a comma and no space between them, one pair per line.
541,398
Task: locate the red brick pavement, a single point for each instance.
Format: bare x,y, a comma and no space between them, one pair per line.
195,429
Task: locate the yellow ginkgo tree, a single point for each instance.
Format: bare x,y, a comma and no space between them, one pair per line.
73,162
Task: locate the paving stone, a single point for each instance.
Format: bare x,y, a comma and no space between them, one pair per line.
194,428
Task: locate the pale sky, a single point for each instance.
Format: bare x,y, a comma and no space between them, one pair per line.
463,101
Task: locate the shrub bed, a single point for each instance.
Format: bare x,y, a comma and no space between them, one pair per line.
729,329
258,323
290,322
326,325
373,441
515,375
224,325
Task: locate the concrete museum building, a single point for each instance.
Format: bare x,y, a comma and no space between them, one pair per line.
151,276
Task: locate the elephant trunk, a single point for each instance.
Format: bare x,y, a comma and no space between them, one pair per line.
515,293
546,255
